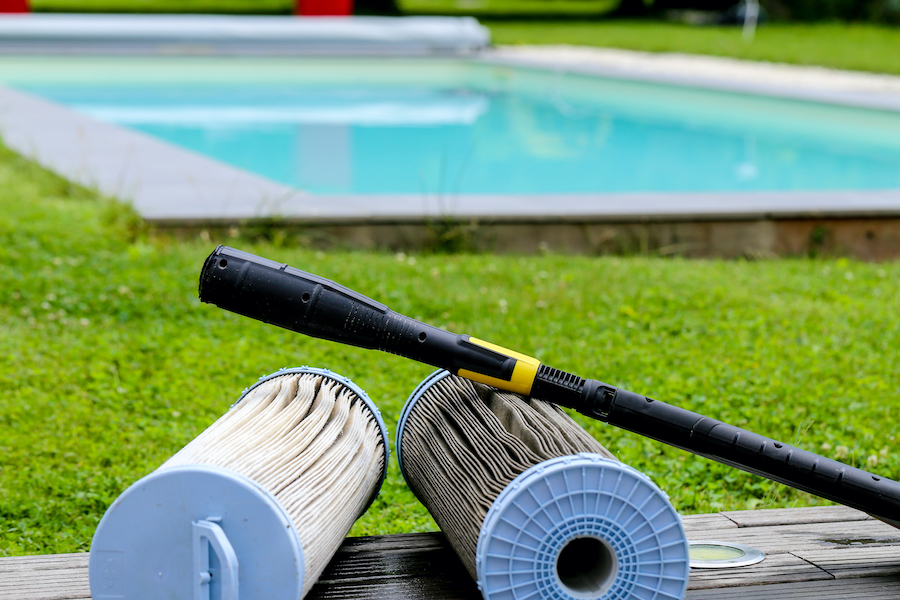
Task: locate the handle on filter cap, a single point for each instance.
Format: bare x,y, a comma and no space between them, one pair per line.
207,536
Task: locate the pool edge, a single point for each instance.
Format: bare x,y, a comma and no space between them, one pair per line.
177,188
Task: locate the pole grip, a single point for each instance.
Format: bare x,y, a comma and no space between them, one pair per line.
755,454
282,295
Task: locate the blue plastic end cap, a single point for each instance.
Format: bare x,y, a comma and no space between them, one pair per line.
385,439
582,527
407,409
144,546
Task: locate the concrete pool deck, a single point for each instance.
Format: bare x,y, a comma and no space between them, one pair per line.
172,186
815,84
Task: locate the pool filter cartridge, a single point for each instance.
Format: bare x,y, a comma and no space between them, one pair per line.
285,296
256,505
532,504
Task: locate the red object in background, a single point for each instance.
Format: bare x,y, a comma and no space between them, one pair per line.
14,6
321,8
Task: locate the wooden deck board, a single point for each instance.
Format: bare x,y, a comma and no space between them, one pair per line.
51,577
395,566
856,562
707,522
821,553
795,516
779,568
806,536
875,588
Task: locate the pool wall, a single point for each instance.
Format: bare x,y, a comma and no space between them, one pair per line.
174,187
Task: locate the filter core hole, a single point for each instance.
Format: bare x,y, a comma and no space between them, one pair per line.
587,567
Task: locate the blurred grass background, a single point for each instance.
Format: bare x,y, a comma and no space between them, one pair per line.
109,363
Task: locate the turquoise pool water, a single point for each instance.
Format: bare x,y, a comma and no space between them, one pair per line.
458,128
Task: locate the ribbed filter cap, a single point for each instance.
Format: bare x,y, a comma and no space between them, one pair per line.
582,528
142,549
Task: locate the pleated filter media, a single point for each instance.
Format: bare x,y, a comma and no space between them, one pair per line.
531,503
256,505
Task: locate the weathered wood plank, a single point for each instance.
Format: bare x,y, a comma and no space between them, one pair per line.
51,577
808,536
795,516
777,568
706,523
38,562
873,588
856,561
64,594
399,542
384,567
54,590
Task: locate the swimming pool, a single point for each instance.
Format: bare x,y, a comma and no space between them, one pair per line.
464,127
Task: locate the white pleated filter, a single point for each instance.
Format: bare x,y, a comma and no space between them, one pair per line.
313,444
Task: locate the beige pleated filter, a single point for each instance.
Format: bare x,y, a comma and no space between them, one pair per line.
461,443
313,443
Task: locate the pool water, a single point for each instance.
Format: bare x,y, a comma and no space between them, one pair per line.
466,128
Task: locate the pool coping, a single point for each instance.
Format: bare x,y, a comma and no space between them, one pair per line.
795,82
170,185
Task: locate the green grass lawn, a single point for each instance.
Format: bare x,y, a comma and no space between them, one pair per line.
109,363
839,45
